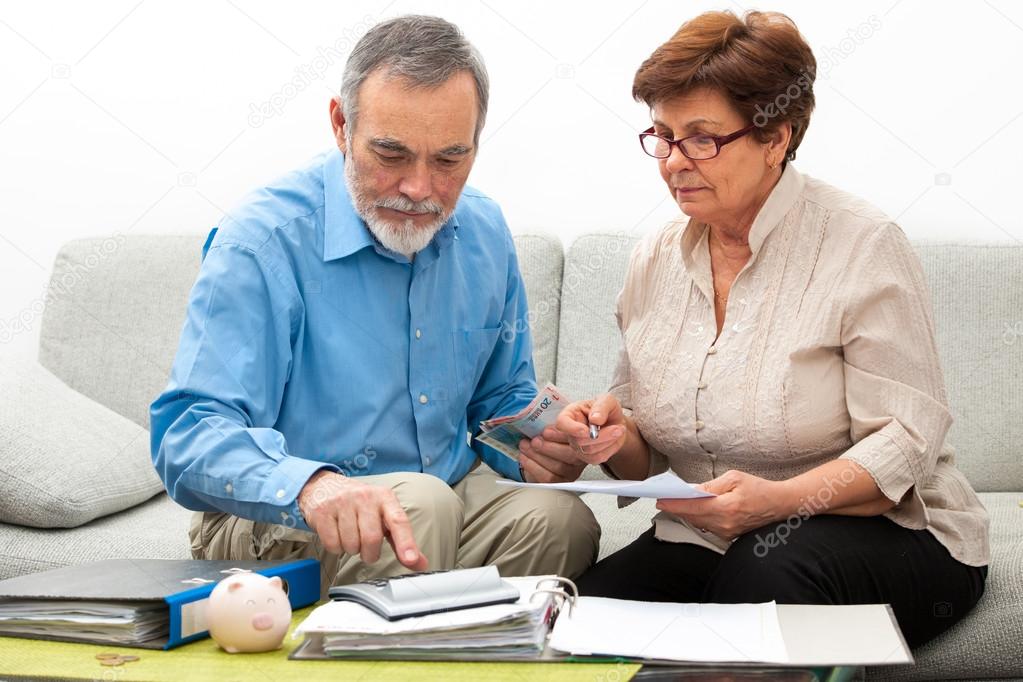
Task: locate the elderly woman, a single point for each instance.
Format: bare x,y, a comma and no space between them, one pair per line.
778,347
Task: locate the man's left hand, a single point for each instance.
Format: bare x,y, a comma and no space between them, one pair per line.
549,458
744,502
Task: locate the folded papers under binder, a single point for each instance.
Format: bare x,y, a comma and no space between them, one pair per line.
146,603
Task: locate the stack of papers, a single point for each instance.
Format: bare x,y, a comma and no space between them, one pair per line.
343,629
95,621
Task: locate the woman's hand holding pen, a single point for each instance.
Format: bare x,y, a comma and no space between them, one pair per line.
561,453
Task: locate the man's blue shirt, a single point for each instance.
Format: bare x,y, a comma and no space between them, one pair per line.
307,345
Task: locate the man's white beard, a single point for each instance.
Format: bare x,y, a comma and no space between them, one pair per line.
404,237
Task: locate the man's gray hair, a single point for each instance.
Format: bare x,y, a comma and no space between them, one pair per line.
425,51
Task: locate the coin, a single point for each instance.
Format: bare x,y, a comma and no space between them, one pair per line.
107,655
129,658
112,661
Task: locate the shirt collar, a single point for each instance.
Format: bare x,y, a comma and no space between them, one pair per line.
781,199
344,230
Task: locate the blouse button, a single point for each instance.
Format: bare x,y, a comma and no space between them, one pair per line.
712,350
698,425
702,385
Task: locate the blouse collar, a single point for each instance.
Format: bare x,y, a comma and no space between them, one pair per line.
781,199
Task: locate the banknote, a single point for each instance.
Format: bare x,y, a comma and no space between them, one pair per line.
504,433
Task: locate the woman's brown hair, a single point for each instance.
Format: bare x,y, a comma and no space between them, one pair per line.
759,62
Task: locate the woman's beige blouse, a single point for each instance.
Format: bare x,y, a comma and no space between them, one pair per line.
827,351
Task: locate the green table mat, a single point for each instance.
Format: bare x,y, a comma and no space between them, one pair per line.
204,660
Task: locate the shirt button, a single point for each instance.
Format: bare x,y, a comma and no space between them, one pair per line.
702,385
228,488
712,350
735,327
423,399
284,516
280,493
419,333
698,424
427,461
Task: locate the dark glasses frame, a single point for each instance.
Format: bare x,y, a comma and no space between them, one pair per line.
719,142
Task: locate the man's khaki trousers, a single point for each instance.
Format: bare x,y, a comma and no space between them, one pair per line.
522,531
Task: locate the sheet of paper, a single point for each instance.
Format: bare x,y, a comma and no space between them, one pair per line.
677,632
661,486
837,634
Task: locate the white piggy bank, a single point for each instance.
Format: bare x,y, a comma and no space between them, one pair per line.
248,612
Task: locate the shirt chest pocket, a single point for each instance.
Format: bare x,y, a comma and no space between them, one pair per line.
472,350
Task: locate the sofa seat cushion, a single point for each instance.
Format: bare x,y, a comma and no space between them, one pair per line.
155,529
64,458
986,642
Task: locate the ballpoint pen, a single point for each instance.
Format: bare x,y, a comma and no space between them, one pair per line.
594,430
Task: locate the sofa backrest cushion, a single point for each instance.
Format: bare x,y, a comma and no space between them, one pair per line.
977,292
589,340
541,261
113,316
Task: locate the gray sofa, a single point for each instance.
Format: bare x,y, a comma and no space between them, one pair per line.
112,337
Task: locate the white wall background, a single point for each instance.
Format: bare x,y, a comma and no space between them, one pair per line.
129,116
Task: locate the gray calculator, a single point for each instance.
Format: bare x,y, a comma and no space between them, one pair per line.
418,594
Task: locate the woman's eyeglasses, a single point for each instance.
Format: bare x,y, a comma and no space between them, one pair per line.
696,147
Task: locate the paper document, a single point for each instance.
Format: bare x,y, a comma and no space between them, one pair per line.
662,486
848,634
676,632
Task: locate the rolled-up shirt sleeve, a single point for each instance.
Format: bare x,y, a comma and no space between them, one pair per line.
894,388
212,441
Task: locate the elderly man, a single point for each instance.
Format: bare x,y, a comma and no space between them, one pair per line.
343,340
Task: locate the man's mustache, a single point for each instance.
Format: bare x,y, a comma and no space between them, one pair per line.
401,203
